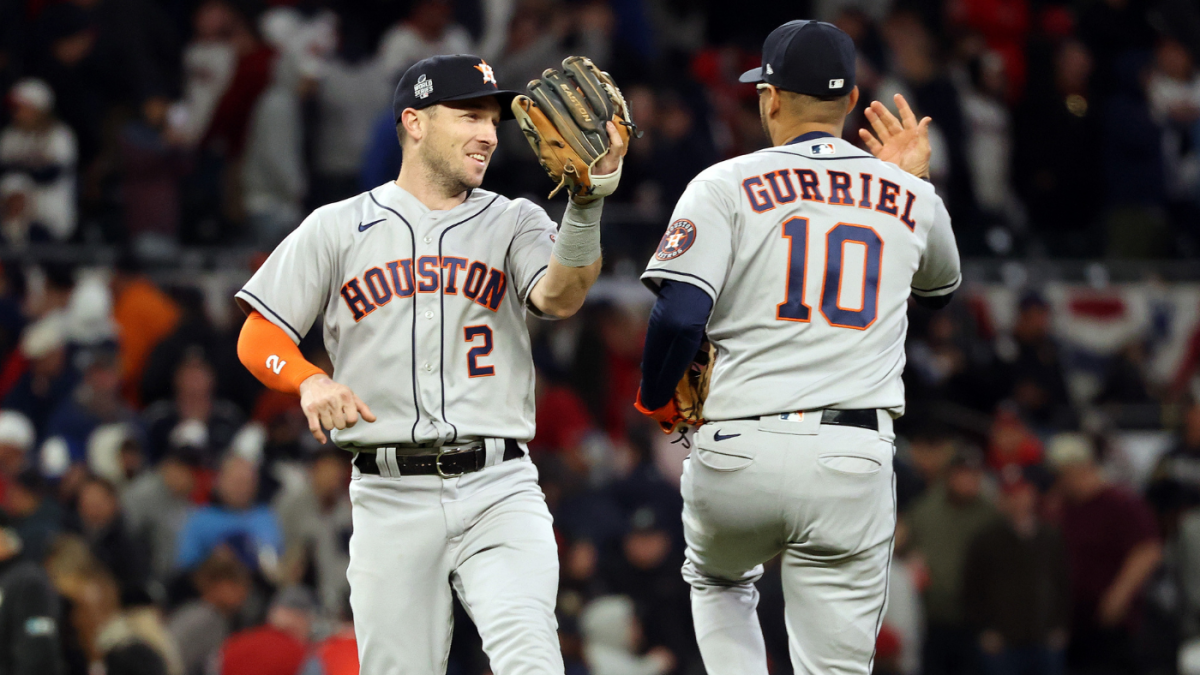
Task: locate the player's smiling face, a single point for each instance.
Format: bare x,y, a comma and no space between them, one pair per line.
461,140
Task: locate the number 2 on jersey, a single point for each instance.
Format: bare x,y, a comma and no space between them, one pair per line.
470,333
795,230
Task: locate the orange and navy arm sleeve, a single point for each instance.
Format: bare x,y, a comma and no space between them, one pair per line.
271,356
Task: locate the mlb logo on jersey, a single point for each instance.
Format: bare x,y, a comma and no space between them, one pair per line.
678,239
823,149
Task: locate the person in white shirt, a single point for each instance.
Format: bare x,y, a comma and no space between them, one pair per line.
42,147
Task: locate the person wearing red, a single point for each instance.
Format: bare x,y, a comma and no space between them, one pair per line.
1113,547
279,646
335,655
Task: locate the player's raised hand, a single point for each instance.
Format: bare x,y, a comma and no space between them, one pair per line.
903,142
330,405
616,150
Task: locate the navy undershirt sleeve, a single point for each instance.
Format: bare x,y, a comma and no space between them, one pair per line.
673,336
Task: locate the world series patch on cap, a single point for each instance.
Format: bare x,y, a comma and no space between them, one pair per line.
807,57
458,77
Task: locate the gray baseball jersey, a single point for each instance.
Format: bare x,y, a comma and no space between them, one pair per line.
423,311
809,251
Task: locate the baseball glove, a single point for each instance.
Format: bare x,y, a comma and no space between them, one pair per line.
686,408
564,117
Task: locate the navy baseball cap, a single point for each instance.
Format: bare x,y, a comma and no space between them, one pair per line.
807,57
449,78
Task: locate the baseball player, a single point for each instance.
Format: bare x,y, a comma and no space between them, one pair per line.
422,285
799,260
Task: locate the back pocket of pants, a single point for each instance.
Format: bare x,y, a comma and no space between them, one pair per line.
854,465
722,461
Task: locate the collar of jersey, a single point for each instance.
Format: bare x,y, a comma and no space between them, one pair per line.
810,136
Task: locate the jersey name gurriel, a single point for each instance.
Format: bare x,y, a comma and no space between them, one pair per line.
842,187
810,252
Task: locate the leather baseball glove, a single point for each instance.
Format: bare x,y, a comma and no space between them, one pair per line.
686,407
564,117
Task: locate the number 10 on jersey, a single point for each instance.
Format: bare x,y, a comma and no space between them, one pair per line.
842,242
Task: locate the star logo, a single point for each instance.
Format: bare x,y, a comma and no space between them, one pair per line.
489,75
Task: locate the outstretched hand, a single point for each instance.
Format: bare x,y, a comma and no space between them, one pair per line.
903,142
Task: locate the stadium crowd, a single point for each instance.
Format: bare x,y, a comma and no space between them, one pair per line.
162,512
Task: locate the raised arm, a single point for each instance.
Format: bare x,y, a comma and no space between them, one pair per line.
576,261
903,142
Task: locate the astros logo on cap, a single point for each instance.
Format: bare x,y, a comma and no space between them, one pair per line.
489,75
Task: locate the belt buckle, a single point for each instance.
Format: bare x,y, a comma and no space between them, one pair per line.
437,464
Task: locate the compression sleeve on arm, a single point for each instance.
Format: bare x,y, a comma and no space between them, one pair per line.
673,336
271,356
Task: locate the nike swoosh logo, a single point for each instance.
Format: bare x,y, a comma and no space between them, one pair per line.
364,228
718,437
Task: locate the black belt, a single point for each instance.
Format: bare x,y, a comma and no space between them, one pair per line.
863,418
448,464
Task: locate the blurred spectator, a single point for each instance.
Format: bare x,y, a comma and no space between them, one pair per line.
1016,591
208,64
50,379
96,401
1112,548
989,140
114,641
1033,366
1133,165
316,525
352,91
1056,160
273,178
1004,26
19,223
152,164
16,440
194,418
33,515
1173,91
42,148
428,31
336,654
904,617
1175,484
144,316
1011,443
944,522
196,336
234,519
100,522
1125,379
224,142
922,464
29,615
201,626
305,33
156,507
277,648
612,638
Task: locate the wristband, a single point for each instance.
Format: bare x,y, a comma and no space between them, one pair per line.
577,243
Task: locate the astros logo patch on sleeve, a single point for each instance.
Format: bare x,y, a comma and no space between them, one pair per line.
678,239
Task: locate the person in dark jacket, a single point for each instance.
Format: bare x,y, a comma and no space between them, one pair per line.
1016,590
29,642
99,519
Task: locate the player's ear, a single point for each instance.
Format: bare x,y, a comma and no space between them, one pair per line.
413,123
853,102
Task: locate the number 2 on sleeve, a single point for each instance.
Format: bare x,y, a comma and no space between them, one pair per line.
474,369
795,230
